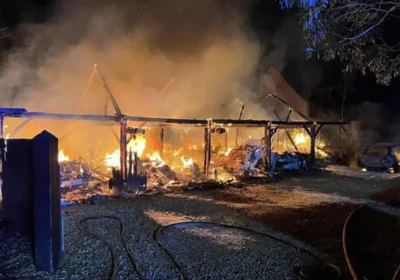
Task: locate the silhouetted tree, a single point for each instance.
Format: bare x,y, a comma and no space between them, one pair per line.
362,33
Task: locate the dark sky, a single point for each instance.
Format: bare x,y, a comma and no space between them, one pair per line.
264,17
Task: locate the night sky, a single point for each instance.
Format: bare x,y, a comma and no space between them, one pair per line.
263,17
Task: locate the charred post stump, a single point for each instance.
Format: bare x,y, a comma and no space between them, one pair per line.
46,202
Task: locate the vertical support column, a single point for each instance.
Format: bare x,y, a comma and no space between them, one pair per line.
226,140
313,136
206,138
207,148
268,145
46,202
122,147
161,142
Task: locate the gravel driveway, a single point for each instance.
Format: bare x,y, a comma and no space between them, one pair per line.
206,253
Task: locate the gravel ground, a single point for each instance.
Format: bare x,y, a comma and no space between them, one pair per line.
313,209
87,258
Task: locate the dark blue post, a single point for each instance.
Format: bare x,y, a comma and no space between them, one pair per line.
47,199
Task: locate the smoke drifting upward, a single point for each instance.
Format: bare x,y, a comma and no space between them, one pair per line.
139,48
202,49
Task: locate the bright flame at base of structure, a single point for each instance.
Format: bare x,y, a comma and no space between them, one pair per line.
62,157
137,145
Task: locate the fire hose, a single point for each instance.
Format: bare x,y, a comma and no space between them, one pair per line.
157,235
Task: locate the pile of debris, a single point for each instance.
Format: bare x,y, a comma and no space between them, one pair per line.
80,181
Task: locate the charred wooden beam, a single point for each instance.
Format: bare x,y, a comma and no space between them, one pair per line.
286,104
21,113
161,142
123,146
226,140
313,136
207,148
135,171
206,138
109,92
237,129
268,146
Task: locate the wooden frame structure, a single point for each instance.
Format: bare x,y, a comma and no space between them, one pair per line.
127,133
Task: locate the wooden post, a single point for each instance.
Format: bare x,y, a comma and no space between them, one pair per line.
313,136
122,146
268,146
161,142
206,138
46,202
226,140
209,149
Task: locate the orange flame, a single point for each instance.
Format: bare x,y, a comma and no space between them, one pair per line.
187,162
62,157
156,159
137,145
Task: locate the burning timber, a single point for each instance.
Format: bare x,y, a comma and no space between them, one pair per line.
131,173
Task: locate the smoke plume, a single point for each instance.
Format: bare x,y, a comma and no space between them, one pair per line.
188,59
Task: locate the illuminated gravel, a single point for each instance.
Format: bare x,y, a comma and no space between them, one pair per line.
207,253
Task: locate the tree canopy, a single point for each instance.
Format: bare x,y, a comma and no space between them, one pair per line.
362,33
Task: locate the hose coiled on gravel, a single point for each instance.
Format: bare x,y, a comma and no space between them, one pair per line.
157,235
114,266
182,225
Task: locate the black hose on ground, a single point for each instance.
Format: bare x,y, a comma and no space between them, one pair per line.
114,266
182,225
157,237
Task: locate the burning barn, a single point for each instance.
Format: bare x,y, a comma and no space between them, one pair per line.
190,150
